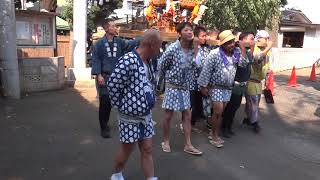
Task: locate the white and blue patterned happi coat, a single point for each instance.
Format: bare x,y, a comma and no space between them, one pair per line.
200,61
177,71
215,72
128,86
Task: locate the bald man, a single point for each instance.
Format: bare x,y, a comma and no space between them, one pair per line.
131,92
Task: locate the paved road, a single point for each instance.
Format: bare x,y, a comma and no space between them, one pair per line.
54,135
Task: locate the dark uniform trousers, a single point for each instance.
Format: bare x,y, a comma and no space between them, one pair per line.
104,111
196,106
230,111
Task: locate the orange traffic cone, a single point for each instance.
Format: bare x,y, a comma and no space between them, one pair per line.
270,83
293,79
313,73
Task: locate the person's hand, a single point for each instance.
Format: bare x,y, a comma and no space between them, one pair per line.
204,91
242,46
196,42
267,49
101,81
252,44
269,43
208,40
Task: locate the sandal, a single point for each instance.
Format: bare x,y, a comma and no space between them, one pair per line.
192,150
219,139
165,148
216,143
196,130
181,128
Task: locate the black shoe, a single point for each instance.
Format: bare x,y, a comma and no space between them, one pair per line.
105,133
246,121
256,128
225,134
230,132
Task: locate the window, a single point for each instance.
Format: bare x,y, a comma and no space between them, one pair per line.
34,31
293,39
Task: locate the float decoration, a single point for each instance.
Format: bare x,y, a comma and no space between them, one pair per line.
166,14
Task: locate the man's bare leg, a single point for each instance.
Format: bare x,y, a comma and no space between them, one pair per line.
216,120
166,127
122,156
146,159
186,122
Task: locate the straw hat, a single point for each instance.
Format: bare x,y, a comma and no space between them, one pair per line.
226,36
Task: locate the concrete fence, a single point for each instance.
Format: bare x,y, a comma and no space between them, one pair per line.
41,74
286,58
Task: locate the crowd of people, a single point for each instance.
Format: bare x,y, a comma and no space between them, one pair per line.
201,80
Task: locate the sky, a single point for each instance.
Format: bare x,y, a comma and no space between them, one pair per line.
309,7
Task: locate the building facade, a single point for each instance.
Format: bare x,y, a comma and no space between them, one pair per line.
297,42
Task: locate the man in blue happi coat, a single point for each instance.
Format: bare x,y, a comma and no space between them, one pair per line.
105,55
131,91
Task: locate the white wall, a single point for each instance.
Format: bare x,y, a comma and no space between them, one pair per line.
312,38
286,58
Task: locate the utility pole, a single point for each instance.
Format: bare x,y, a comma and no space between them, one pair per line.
8,49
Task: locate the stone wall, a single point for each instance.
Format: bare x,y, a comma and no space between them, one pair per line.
41,74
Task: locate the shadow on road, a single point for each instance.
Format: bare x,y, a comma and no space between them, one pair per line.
55,135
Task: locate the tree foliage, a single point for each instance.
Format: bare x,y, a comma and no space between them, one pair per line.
95,13
67,13
246,15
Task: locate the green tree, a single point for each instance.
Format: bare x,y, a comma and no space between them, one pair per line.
245,15
67,13
96,13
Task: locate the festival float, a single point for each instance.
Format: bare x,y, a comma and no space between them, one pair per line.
164,15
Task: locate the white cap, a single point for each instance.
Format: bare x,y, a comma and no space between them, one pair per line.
262,34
